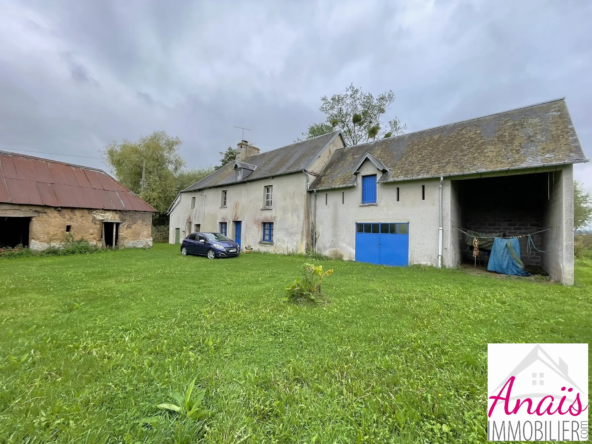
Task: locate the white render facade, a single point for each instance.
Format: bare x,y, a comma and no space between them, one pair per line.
245,204
318,200
205,209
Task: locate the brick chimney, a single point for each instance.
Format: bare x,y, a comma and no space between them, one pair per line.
244,151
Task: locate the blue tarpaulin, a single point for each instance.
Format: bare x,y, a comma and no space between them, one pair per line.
505,257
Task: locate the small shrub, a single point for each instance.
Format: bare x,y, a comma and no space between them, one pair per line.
70,246
185,406
160,234
308,288
578,247
583,246
18,251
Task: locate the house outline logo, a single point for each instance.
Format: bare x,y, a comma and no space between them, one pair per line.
537,392
560,368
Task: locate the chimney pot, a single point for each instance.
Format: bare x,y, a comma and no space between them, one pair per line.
244,151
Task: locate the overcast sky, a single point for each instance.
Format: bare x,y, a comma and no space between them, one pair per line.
77,75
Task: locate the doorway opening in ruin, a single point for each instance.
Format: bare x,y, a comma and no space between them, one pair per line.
14,231
110,234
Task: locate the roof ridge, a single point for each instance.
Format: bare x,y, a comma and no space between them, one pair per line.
460,121
267,156
295,143
12,153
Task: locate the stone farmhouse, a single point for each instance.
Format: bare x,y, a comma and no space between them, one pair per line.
402,200
44,203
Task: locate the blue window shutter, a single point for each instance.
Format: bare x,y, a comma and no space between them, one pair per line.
369,189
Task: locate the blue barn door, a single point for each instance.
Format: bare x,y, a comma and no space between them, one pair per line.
383,243
238,232
368,243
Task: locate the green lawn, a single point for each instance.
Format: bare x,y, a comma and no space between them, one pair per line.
91,344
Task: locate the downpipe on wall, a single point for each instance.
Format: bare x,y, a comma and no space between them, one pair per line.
440,229
314,234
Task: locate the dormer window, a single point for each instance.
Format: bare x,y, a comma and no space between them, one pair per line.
243,170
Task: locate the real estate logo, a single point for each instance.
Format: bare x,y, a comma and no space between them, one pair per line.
537,392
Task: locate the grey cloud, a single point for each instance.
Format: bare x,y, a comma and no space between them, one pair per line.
146,98
196,69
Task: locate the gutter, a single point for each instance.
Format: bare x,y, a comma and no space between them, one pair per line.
440,228
545,166
229,184
336,188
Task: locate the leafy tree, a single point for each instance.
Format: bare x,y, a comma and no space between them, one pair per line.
157,155
582,206
186,178
358,114
317,129
227,156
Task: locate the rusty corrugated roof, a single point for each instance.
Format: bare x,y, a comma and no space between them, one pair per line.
28,180
534,136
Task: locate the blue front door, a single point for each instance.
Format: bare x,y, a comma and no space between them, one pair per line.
237,232
383,243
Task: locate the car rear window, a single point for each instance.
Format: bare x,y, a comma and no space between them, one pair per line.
216,237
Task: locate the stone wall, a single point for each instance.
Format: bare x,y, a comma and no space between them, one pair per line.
48,225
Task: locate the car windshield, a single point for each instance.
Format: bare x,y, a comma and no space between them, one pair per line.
215,237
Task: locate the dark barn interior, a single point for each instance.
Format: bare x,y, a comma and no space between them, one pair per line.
513,205
14,231
111,233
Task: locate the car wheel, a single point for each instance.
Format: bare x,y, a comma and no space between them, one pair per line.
184,251
211,254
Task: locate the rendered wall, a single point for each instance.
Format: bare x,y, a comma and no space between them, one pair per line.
48,225
336,221
319,163
245,203
559,260
452,220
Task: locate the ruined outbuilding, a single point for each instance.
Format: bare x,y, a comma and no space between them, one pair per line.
44,203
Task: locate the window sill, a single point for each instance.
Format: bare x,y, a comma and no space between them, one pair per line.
265,243
266,208
224,206
369,204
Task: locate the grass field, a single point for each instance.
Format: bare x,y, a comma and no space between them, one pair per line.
92,343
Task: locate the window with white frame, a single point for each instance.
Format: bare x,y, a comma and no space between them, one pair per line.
223,198
268,196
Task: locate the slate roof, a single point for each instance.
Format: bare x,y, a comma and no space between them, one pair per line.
289,159
28,180
534,136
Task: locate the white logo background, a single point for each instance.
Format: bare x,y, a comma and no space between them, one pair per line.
540,370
